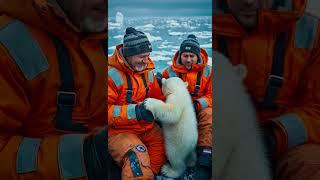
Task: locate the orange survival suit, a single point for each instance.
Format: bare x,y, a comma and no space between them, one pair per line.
199,79
136,145
281,59
44,115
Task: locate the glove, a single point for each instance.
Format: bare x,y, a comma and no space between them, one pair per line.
269,139
114,171
204,163
196,106
95,152
142,113
159,78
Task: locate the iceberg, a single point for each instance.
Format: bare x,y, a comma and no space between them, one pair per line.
119,18
119,22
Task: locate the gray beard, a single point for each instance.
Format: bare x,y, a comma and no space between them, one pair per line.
140,69
90,26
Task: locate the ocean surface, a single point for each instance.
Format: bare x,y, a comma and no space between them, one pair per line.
164,33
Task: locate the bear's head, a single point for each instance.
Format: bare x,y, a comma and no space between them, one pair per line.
173,85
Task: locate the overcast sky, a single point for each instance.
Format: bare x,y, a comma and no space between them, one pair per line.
133,8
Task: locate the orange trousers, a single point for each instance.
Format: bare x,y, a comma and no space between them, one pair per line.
140,156
205,127
300,163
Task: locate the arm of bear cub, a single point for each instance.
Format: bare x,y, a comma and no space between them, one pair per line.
164,112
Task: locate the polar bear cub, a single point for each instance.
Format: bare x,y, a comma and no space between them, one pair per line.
179,125
238,147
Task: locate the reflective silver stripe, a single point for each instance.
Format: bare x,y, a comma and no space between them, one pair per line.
207,71
306,31
297,134
24,49
131,113
115,76
171,72
203,102
134,164
27,155
313,8
116,111
150,76
70,156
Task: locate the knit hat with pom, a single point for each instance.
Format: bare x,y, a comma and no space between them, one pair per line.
135,42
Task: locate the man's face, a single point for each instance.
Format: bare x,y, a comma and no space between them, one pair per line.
138,62
246,11
90,16
188,58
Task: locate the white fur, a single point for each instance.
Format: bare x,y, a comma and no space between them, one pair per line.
179,126
238,149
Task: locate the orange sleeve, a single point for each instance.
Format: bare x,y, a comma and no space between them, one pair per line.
165,73
30,157
119,114
206,100
301,123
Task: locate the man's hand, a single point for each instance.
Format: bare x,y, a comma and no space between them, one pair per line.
142,113
196,106
95,152
269,140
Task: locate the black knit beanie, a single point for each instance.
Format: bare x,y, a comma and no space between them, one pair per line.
135,42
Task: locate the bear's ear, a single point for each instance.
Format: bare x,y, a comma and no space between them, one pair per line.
186,84
163,81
